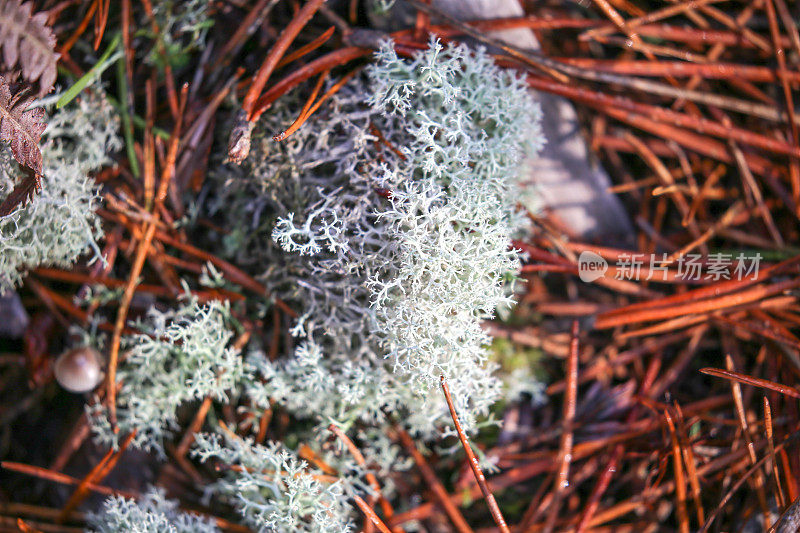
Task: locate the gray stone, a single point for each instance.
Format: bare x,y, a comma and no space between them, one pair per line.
13,318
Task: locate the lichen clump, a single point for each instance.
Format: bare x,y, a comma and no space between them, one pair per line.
274,490
59,224
394,222
388,221
151,513
182,355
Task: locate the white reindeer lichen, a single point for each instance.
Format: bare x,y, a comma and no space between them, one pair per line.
397,218
183,355
274,490
151,513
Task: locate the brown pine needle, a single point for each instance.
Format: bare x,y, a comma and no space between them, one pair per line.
433,482
474,464
194,427
370,514
292,80
773,459
25,528
67,46
309,102
741,481
95,475
567,436
371,479
690,463
310,47
750,380
101,21
276,53
680,483
138,264
310,110
58,477
744,425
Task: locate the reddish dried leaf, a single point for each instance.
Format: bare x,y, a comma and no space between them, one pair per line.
22,193
21,127
26,40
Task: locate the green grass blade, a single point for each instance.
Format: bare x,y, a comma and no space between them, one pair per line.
102,64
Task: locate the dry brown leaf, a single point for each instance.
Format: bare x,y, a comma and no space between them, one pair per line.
26,40
20,126
22,193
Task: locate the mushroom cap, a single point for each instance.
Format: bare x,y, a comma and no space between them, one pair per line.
79,369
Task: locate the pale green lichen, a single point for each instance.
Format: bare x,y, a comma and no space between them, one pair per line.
60,223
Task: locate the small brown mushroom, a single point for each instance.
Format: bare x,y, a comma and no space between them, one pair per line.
79,369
